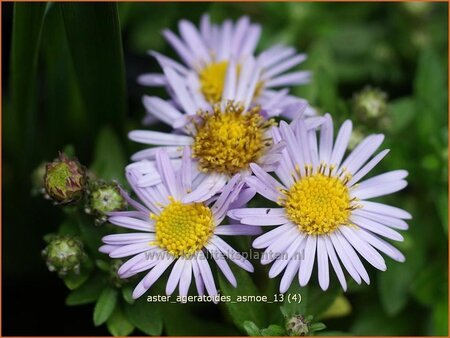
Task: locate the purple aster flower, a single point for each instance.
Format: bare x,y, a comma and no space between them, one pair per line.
177,224
225,137
207,51
325,213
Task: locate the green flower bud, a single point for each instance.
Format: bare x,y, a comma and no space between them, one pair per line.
65,180
64,254
103,198
114,276
298,325
355,138
370,104
418,9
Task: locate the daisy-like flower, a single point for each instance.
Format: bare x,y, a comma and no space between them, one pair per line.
175,224
207,52
325,213
225,137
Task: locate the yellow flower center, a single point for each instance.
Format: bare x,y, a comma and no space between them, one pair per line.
228,141
183,229
318,204
212,81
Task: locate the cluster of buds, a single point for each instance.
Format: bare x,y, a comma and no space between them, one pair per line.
64,180
370,104
64,254
299,325
104,197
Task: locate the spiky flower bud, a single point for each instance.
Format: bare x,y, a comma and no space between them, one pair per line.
298,325
104,197
64,254
65,180
370,104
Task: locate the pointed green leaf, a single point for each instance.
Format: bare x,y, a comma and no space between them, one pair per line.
118,324
109,156
105,305
95,44
145,316
242,311
28,20
251,329
87,293
273,331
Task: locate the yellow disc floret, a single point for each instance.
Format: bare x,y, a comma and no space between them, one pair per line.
318,204
228,141
183,229
212,79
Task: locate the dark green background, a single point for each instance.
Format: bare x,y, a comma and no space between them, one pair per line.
63,85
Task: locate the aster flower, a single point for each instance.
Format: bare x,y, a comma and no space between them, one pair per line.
206,53
325,213
175,224
225,137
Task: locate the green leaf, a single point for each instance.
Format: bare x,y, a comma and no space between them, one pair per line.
242,311
95,44
109,156
105,305
75,280
395,283
317,327
127,294
87,293
402,112
91,235
314,301
430,283
102,265
371,320
118,324
319,301
440,317
273,331
299,306
251,329
339,308
28,20
189,320
145,316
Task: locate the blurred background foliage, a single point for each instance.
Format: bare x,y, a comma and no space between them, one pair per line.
70,79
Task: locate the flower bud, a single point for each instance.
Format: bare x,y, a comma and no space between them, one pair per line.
113,273
103,198
356,137
64,254
370,104
65,180
297,325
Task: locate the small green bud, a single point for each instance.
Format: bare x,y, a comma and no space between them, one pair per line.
111,268
65,180
355,138
114,276
64,254
103,198
298,325
418,9
370,104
